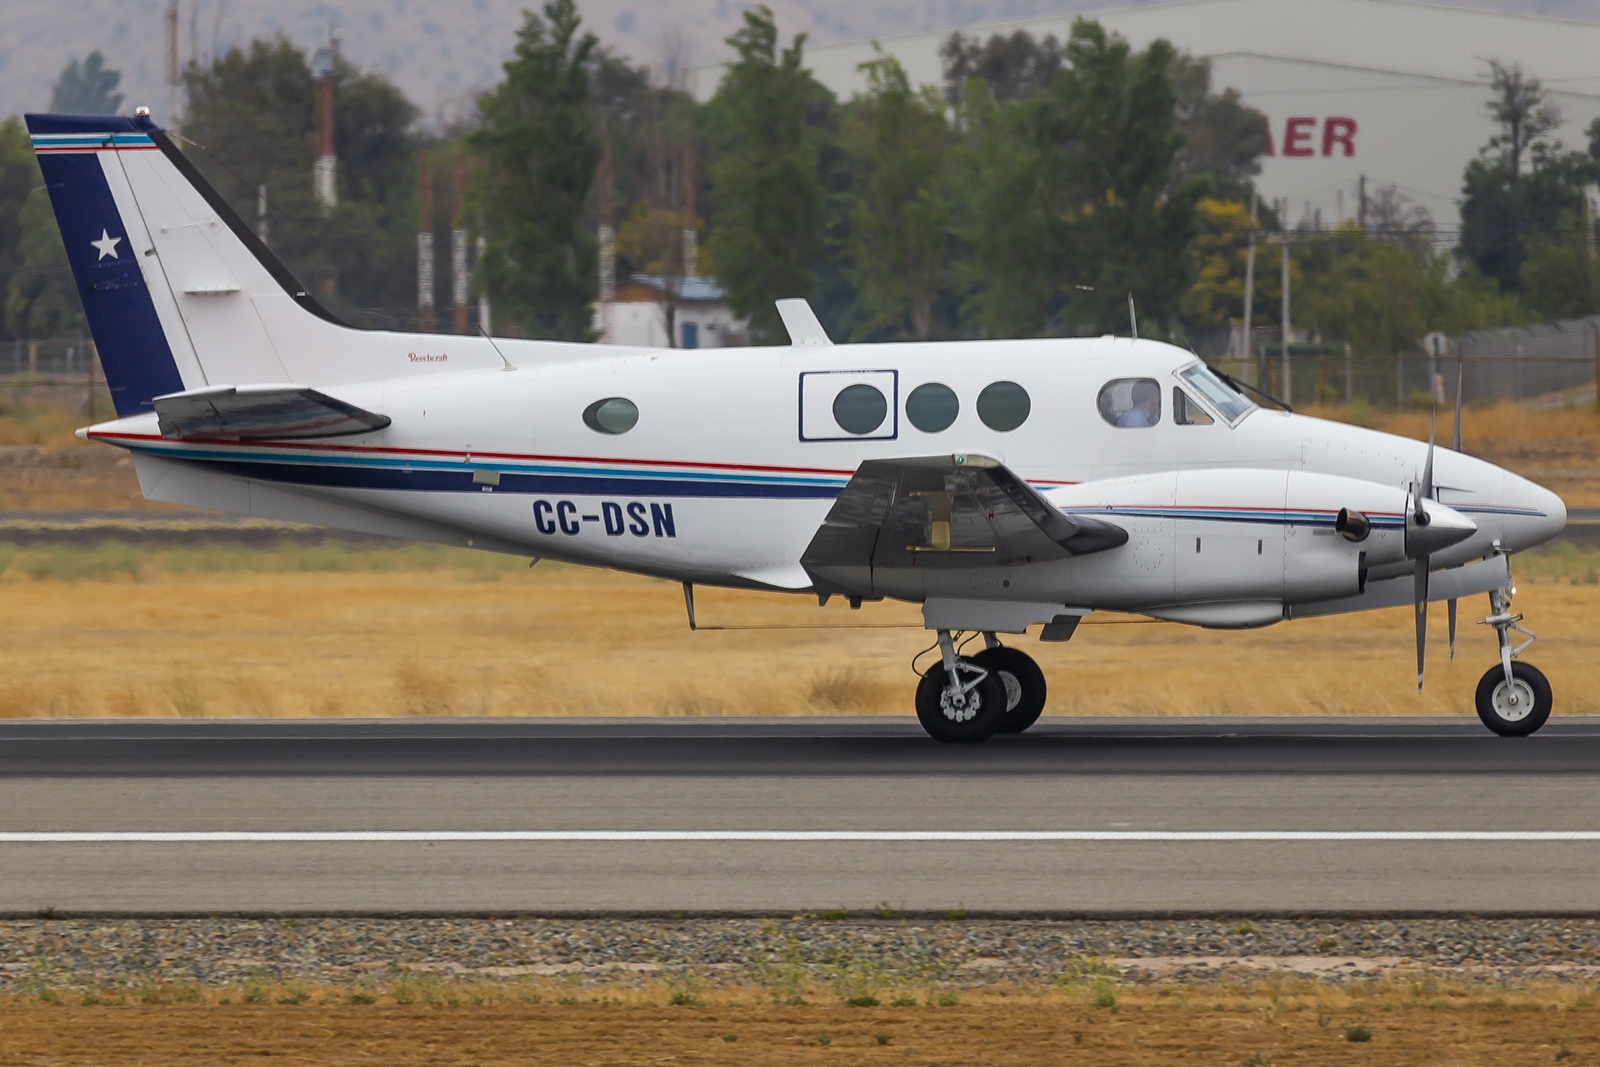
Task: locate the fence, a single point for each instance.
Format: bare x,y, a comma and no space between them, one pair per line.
1552,364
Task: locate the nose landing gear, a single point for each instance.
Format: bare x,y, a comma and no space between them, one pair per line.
999,690
1513,697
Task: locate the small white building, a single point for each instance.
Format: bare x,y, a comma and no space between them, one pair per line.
638,312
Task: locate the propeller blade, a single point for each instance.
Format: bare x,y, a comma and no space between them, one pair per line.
1455,436
1420,592
1450,606
1427,470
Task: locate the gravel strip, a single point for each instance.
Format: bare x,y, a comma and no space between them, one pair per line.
862,952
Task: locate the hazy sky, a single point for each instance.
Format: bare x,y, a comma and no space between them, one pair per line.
443,51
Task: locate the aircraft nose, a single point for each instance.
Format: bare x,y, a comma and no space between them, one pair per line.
1534,514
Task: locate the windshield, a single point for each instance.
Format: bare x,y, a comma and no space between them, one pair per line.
1231,403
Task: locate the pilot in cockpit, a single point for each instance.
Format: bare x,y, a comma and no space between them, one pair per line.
1146,410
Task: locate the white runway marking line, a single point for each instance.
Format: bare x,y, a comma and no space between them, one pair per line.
935,836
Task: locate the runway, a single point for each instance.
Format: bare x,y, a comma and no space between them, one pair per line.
779,816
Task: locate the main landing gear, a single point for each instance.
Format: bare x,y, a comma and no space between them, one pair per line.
970,698
1513,697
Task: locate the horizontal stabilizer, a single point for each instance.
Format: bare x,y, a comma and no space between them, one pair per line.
259,413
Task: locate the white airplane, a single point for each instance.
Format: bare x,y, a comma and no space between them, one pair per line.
1001,484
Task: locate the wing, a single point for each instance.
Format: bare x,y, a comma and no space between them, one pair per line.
947,512
261,412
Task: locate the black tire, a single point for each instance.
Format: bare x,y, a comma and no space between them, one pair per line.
1493,684
1029,695
990,695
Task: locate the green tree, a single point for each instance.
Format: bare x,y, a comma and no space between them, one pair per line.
19,175
1506,202
1558,271
1222,138
1012,67
1073,198
899,221
767,194
41,298
1005,209
250,114
87,88
539,147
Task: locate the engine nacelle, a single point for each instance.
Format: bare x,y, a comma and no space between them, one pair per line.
1201,540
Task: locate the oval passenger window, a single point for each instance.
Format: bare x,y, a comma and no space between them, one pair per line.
1004,406
859,409
932,407
1130,402
612,415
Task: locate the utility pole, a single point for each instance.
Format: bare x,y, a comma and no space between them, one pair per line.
263,228
1361,216
608,239
1249,281
483,291
458,237
170,25
691,237
325,170
1349,376
1288,381
425,242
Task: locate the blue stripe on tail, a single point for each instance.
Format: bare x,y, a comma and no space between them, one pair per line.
133,347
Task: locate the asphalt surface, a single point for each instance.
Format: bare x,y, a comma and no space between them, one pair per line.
1128,789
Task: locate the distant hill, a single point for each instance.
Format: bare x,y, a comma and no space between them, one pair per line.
441,52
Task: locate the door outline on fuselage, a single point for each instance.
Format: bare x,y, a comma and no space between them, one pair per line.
894,405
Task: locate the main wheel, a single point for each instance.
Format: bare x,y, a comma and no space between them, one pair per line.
1023,682
1531,709
984,710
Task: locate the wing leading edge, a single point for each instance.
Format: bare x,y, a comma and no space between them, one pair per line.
261,412
945,512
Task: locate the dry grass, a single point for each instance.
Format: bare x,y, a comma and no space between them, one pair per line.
324,631
1559,449
421,1021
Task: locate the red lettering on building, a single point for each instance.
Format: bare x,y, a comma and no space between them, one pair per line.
1339,131
1266,132
1297,137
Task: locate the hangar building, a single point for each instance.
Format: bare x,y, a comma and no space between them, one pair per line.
1392,90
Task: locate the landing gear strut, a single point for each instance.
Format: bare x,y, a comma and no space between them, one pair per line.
1513,697
958,700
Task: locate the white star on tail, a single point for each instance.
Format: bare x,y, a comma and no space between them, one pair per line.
107,246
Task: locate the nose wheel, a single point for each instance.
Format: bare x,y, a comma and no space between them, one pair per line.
1513,697
1515,707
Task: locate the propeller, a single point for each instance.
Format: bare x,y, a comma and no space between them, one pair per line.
1419,579
1455,446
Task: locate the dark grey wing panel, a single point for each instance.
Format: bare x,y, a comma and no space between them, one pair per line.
261,413
942,512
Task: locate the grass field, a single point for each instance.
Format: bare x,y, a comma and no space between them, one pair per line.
329,631
1098,1022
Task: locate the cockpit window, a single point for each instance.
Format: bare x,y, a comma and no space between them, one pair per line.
1186,412
1131,402
1227,400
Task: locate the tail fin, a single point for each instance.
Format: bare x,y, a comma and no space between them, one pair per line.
179,292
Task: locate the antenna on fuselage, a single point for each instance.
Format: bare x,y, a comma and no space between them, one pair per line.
508,364
1133,318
